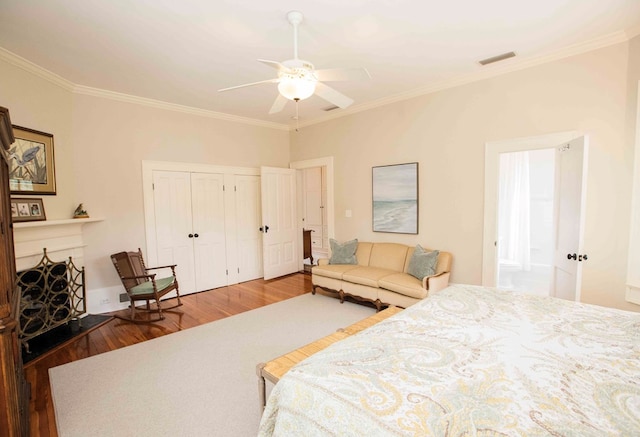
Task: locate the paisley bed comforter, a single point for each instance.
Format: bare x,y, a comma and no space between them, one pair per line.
471,361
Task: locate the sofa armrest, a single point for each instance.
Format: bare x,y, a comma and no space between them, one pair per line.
436,283
323,261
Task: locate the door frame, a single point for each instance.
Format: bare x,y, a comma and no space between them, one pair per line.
632,293
493,149
148,167
326,162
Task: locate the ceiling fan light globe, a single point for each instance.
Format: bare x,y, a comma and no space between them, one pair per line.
296,88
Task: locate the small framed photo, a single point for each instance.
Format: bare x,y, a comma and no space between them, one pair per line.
26,209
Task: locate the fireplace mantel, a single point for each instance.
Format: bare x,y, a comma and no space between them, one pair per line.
61,238
47,223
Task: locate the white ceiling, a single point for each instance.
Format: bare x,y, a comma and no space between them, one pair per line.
183,51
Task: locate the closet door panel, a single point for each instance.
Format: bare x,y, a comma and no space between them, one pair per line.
207,196
172,212
248,235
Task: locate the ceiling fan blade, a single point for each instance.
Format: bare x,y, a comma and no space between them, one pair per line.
274,64
278,104
337,74
274,80
332,96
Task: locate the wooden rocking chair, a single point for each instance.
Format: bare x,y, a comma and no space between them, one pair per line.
140,285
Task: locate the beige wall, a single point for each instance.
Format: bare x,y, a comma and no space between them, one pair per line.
38,104
446,133
100,145
112,139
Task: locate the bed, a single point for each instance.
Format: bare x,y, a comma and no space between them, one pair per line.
471,360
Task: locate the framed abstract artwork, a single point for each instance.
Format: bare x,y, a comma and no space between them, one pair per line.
31,162
395,198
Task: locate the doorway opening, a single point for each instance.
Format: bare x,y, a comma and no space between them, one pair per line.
313,189
535,190
315,208
525,221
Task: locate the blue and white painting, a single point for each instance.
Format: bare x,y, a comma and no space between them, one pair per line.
395,198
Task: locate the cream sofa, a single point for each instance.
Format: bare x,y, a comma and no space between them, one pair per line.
380,276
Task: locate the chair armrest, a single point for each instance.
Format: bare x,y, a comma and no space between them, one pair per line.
323,261
172,267
162,267
436,282
152,277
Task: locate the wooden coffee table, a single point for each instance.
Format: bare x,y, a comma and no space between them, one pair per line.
275,369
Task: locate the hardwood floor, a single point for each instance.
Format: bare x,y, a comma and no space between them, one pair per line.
197,309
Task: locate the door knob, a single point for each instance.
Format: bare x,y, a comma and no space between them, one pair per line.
570,256
266,229
261,229
196,235
190,235
582,257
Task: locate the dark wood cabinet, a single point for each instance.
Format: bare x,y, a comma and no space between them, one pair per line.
14,391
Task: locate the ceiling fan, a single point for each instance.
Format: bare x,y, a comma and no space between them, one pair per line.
298,79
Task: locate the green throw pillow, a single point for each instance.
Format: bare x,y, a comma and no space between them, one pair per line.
423,263
344,253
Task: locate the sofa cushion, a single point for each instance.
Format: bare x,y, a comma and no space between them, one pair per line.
422,263
397,299
366,275
332,270
404,284
363,253
391,256
344,253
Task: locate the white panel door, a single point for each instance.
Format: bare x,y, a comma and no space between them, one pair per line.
248,220
173,224
571,162
280,237
209,236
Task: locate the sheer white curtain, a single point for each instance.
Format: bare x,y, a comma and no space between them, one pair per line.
514,236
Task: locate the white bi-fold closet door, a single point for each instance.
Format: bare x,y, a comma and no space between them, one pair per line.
207,224
190,232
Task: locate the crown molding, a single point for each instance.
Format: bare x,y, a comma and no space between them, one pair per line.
55,79
632,32
121,97
32,68
486,72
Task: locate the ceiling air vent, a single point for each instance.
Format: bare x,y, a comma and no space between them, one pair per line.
501,57
330,108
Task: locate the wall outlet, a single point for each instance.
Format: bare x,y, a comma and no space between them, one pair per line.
124,297
105,301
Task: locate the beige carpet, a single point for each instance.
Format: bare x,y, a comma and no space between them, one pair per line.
197,382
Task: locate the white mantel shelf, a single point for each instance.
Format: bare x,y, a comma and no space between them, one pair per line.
61,238
44,223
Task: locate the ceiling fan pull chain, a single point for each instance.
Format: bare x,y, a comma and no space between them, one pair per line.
297,116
